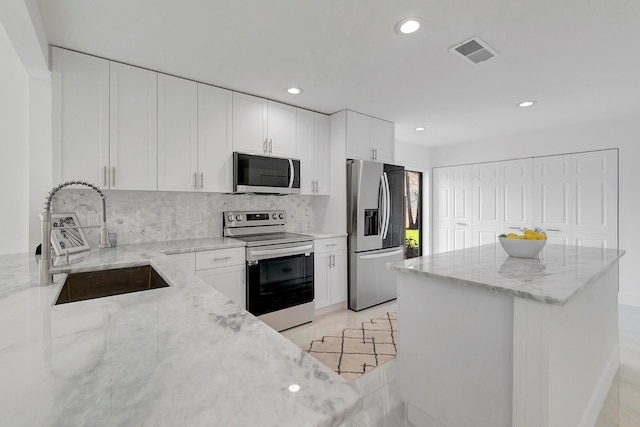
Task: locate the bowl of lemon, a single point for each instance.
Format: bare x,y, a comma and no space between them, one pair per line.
525,245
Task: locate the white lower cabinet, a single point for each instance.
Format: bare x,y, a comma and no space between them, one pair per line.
223,269
330,271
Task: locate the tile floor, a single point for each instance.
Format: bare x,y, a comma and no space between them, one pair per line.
384,408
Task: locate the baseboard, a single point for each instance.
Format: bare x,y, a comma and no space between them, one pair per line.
329,308
629,299
599,395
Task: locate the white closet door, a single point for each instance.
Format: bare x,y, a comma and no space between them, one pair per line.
595,188
441,209
487,200
461,207
552,185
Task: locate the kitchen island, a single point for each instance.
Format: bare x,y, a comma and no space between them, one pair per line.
182,355
490,340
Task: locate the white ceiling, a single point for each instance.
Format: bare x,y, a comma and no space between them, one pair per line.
578,58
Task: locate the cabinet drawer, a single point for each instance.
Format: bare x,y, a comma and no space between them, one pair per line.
330,245
219,258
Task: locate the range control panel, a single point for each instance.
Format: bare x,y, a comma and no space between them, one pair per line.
233,219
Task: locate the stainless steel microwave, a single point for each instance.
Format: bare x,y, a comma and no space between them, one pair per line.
265,174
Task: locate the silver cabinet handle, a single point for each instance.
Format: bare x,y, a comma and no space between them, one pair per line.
553,229
515,228
270,146
317,186
195,180
329,261
201,180
373,154
113,177
264,146
375,151
331,245
104,176
461,223
222,259
333,260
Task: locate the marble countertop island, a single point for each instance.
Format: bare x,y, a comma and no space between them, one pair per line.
492,340
560,273
183,355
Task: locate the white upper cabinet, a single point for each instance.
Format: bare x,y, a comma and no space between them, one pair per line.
263,127
133,127
322,153
281,129
306,151
369,138
177,134
313,151
249,124
80,117
215,162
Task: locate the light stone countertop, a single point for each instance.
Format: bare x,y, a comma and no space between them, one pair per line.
184,355
560,273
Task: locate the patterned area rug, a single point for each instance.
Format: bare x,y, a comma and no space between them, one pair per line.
356,351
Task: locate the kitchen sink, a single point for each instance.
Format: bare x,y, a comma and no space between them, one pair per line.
105,283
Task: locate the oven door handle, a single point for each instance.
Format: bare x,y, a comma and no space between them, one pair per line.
292,251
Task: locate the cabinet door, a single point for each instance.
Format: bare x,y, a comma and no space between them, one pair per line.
215,160
338,292
382,140
80,85
487,223
229,281
133,128
281,129
177,134
321,279
322,153
359,136
185,260
306,151
249,124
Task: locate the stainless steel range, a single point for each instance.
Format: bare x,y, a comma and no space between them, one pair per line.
279,267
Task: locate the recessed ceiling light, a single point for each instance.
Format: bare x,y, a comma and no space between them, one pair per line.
294,388
419,129
294,90
526,103
408,25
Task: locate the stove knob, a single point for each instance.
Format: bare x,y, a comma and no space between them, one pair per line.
281,216
230,218
274,216
238,217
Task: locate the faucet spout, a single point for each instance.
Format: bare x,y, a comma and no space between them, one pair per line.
46,263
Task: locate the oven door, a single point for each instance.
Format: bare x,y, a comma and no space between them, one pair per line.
279,282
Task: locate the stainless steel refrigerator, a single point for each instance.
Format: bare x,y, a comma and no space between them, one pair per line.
375,224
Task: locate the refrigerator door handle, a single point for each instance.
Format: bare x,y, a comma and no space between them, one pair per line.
382,255
387,210
382,199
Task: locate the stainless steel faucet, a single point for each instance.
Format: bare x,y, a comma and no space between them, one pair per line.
47,270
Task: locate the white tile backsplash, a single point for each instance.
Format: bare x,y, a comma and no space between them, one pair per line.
150,216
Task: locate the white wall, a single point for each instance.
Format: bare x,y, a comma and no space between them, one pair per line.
622,133
14,146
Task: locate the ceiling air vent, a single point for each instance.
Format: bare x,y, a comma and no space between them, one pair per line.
475,50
